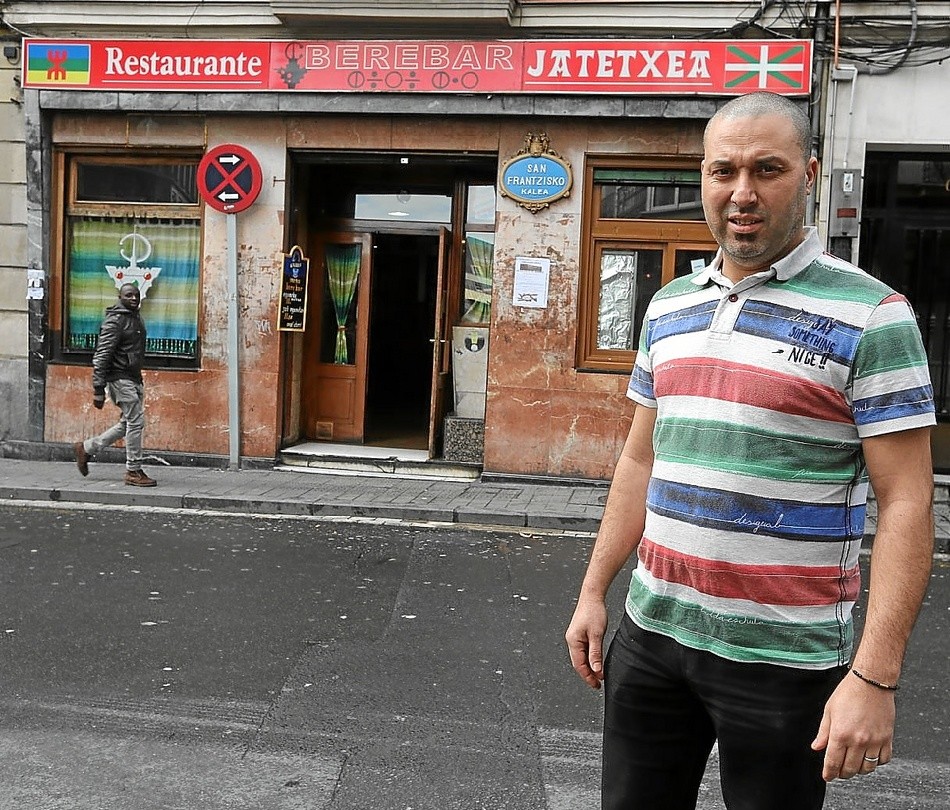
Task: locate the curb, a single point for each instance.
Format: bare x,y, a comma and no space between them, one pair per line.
303,508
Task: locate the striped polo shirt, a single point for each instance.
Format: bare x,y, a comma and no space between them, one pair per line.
764,390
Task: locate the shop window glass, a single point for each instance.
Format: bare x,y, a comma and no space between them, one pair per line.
405,207
906,244
137,223
628,279
341,282
479,263
691,260
143,183
480,208
644,194
160,258
644,226
479,249
923,183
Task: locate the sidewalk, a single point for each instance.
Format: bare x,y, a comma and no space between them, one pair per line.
286,491
523,503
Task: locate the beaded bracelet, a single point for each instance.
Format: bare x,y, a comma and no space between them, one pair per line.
887,686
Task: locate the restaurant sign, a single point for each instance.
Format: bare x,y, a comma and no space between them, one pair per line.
612,66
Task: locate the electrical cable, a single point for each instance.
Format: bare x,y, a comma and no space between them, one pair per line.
872,44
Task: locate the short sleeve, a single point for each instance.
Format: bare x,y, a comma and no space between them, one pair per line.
640,387
891,388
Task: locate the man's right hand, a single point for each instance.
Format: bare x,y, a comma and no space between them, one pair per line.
98,399
585,640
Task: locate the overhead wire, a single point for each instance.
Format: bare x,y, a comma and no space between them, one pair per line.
878,44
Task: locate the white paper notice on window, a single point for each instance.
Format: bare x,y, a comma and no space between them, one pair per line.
532,277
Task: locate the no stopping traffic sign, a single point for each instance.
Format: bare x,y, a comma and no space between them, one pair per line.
229,178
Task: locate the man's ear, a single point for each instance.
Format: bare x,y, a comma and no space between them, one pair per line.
811,173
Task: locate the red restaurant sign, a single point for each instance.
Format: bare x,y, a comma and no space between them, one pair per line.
611,66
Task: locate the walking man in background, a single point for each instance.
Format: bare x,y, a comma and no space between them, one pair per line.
117,368
770,387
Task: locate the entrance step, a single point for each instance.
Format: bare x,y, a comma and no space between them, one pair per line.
395,462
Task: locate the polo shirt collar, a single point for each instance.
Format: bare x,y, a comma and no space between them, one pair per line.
785,268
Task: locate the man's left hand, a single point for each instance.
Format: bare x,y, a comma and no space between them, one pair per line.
857,729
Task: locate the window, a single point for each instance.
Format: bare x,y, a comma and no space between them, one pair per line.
405,207
479,255
131,221
341,288
644,226
644,194
628,278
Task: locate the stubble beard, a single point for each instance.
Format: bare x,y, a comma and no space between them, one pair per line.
756,249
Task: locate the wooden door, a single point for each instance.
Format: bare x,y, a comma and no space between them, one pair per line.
334,364
441,344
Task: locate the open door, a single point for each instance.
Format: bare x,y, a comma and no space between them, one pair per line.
334,367
441,343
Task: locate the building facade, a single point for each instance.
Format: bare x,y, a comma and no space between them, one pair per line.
14,322
458,214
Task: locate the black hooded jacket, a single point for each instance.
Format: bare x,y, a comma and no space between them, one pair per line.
120,351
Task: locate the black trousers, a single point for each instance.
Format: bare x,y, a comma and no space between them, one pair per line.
665,706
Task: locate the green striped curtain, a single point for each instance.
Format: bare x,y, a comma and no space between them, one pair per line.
343,271
169,305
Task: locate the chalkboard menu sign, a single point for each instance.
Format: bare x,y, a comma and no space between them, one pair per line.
293,291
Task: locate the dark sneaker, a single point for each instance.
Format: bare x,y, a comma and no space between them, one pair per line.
82,458
137,478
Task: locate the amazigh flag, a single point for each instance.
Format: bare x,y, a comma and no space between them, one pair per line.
57,64
768,67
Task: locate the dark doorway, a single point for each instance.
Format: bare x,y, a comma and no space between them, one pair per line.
905,241
411,212
402,318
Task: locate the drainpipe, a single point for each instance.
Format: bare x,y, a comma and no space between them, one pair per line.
818,102
841,246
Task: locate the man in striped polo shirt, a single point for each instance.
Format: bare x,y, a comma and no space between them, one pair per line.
770,388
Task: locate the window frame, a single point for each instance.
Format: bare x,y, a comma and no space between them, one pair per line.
65,172
600,233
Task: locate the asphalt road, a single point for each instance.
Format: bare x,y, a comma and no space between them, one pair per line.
167,659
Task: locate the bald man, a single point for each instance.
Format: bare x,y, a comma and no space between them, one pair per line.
770,388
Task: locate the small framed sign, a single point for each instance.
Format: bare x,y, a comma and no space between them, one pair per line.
536,176
293,291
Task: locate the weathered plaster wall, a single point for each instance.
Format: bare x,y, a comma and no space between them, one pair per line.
543,416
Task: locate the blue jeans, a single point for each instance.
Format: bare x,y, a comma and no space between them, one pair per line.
130,397
665,706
